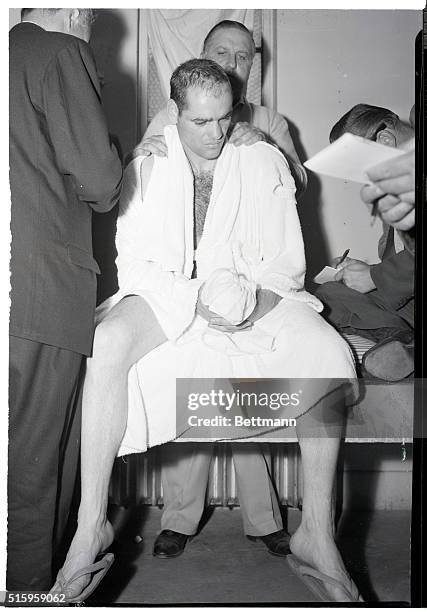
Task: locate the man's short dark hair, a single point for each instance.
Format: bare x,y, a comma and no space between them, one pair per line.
228,23
202,73
364,120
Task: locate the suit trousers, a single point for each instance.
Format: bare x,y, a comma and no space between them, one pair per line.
44,445
185,473
362,313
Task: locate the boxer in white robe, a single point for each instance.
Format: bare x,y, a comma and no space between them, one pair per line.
157,327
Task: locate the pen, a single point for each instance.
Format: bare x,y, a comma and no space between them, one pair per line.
374,211
343,256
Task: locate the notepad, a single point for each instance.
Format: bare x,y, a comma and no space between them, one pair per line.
349,157
326,275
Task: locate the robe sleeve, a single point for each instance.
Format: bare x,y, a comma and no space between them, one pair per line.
172,296
282,267
280,135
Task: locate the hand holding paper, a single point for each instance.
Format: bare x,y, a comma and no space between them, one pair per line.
393,189
350,157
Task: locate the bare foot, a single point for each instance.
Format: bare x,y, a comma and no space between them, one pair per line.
319,551
87,544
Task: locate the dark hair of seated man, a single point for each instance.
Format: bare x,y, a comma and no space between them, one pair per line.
375,123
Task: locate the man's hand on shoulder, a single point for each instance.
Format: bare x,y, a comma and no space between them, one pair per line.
153,145
245,134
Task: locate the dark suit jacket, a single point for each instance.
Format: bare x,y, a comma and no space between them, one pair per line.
394,278
62,166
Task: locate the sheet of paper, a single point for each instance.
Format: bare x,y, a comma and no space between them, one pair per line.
349,157
326,275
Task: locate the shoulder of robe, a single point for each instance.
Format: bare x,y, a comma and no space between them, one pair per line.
265,160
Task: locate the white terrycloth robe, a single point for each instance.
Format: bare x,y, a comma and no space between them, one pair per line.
251,225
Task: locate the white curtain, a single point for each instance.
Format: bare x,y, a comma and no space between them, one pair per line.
177,35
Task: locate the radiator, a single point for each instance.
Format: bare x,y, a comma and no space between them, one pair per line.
136,479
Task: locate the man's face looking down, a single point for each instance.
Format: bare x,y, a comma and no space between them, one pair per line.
233,50
203,122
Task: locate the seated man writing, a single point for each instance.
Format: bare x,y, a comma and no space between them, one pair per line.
211,271
376,301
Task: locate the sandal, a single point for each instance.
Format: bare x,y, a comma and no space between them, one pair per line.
315,581
98,569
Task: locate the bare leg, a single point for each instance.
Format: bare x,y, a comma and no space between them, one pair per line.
128,332
314,540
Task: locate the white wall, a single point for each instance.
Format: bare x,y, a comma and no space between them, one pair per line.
328,61
14,16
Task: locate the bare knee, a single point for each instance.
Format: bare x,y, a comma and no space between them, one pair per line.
112,345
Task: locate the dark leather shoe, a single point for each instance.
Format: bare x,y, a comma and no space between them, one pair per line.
169,544
277,543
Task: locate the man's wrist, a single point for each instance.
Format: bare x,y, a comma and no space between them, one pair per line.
266,301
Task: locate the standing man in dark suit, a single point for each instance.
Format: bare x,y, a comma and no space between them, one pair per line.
62,166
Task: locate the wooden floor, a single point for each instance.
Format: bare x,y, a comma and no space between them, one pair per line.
222,566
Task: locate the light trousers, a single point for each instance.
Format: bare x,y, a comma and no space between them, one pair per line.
185,474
